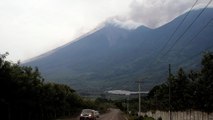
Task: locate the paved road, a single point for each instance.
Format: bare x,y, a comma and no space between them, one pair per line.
113,114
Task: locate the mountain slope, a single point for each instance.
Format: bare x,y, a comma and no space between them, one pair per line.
114,58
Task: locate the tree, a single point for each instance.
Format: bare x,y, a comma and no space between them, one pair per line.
205,84
24,95
188,91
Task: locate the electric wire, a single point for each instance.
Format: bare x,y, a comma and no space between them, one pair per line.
155,60
178,26
176,29
188,59
192,57
172,35
176,41
195,55
202,29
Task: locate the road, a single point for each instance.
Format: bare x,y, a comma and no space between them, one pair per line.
113,114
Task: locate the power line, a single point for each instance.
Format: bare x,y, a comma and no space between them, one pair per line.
170,114
174,32
176,29
195,55
196,34
139,96
187,28
192,57
172,35
202,29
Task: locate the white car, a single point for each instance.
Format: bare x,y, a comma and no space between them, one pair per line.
87,114
97,114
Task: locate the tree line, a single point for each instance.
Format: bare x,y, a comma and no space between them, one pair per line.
182,91
24,95
192,90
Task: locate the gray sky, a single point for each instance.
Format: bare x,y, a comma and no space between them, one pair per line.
31,27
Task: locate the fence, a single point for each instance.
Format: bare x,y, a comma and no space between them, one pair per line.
185,115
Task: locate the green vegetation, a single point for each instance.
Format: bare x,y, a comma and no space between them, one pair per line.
25,96
192,90
102,104
188,91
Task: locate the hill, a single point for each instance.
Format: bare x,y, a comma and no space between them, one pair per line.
114,58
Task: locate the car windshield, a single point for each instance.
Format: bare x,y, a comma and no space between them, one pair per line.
86,111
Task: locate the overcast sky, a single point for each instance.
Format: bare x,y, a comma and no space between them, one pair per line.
31,27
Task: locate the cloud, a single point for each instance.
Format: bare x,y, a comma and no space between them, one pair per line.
31,27
154,13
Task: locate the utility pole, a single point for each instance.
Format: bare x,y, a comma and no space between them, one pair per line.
139,97
127,105
170,114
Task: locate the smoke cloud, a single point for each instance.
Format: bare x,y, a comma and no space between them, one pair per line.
154,13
